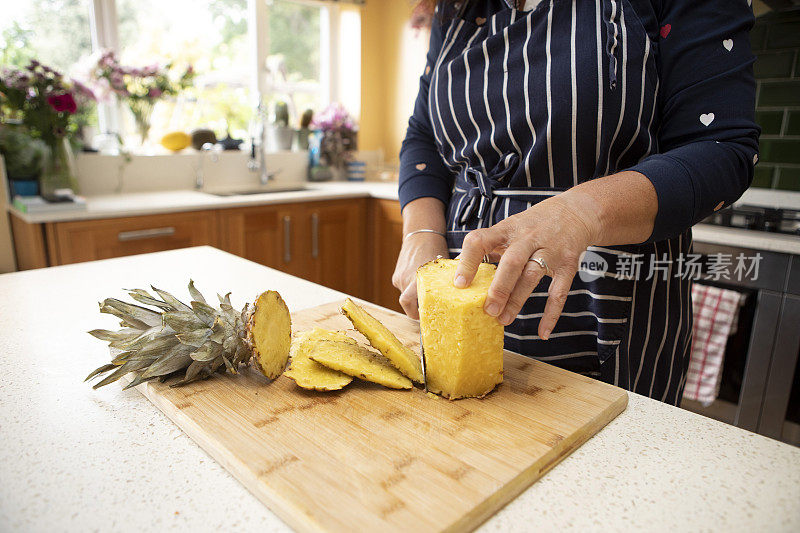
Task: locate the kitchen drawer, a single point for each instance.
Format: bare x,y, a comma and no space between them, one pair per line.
89,240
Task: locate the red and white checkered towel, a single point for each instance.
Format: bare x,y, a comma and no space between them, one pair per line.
716,312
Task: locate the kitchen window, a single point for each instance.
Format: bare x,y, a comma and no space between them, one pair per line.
56,33
304,52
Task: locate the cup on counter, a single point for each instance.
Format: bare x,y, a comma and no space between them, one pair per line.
356,170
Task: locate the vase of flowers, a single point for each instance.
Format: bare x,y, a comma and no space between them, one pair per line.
139,87
48,105
338,137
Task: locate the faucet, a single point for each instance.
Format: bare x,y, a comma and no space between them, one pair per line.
199,170
258,160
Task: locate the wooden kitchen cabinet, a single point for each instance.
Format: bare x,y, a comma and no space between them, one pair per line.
266,235
349,245
320,241
89,240
336,235
386,238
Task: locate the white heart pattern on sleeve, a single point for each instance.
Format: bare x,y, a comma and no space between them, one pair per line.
707,118
728,44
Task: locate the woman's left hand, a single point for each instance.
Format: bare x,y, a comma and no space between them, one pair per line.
555,231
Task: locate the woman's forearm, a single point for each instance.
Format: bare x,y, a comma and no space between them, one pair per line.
617,209
424,213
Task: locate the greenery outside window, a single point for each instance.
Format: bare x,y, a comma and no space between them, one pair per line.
284,50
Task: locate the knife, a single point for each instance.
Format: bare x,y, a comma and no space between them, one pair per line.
422,352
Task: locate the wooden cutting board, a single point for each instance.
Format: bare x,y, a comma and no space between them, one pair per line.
368,458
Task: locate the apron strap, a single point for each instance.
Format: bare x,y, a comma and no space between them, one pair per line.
480,187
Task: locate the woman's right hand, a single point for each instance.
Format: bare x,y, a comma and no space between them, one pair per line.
417,250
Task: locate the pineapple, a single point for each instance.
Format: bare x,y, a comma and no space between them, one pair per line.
463,345
309,374
269,332
169,336
357,361
384,341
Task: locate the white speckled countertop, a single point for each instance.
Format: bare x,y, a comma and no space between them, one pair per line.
150,203
74,459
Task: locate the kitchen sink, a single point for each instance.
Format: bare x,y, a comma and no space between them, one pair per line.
258,191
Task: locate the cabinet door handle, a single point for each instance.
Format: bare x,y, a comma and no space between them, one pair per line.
140,234
287,238
314,235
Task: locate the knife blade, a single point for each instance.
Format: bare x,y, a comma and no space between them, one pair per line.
422,352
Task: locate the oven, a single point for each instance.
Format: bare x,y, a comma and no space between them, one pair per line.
759,388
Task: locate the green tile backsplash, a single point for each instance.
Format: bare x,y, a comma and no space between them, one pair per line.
763,176
770,122
793,124
774,64
779,151
779,93
775,40
789,179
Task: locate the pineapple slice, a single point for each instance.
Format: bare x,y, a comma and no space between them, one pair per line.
269,330
309,374
384,341
463,345
357,361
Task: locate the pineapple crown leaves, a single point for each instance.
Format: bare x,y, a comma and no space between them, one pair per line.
161,336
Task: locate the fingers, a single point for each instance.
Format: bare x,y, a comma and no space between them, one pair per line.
408,300
532,274
557,297
508,273
477,243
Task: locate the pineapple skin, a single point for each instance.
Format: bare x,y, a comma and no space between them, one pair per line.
463,345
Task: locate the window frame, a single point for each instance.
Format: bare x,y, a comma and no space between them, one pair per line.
103,24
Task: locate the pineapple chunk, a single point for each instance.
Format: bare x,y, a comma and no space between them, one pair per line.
383,340
270,333
359,362
309,374
463,345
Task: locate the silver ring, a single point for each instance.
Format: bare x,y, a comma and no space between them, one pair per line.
539,261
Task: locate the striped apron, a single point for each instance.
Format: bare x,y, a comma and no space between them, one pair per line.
524,105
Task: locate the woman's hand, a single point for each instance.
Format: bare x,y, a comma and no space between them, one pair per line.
417,250
551,231
616,209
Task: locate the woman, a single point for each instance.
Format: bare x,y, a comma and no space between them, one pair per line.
555,127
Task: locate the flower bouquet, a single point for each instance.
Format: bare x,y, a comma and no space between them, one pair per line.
49,106
338,131
139,87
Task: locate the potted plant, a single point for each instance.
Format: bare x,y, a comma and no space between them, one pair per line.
24,157
279,134
139,87
305,129
48,105
337,141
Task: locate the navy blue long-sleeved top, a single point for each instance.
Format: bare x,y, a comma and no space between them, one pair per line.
517,106
706,140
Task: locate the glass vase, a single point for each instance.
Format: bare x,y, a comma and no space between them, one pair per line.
142,111
58,171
